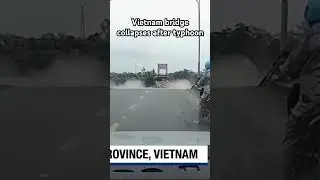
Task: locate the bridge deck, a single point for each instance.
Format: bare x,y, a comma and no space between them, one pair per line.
247,130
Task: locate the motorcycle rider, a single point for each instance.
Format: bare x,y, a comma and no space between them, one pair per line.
302,135
205,79
205,83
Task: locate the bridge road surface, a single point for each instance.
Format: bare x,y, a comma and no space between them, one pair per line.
62,132
156,109
54,132
247,123
247,129
50,132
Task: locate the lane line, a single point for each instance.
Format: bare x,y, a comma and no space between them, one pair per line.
132,106
114,127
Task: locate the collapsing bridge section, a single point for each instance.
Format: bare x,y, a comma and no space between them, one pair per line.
162,78
163,83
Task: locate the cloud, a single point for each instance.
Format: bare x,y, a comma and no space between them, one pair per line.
179,53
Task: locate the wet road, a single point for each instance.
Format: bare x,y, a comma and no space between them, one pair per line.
57,131
248,123
246,133
63,131
50,132
154,110
53,129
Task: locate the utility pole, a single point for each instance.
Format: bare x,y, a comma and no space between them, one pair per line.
82,22
284,24
135,68
198,2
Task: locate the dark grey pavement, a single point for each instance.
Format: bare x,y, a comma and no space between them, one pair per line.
44,130
247,129
62,132
248,123
154,110
55,133
50,132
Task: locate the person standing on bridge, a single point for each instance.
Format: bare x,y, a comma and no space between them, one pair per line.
302,138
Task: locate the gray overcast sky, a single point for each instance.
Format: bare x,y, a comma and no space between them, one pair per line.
261,13
34,17
179,54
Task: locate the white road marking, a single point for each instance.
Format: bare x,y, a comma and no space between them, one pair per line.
196,122
132,106
141,97
147,92
114,127
44,175
123,117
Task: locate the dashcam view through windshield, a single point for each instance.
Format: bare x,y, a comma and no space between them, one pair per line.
159,87
156,71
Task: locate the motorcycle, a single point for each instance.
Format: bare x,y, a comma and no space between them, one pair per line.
301,135
201,91
204,106
196,84
293,97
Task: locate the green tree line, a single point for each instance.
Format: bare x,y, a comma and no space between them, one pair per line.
38,53
256,43
148,77
31,53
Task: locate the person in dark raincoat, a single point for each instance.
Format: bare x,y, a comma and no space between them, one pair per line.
205,97
302,139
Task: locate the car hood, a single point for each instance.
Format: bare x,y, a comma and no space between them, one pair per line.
160,138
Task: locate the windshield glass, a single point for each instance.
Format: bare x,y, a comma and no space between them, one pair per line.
153,77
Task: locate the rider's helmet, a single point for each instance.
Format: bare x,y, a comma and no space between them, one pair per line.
207,65
312,12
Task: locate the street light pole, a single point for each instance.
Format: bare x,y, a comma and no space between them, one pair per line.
135,68
284,24
198,2
83,21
